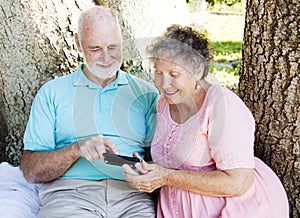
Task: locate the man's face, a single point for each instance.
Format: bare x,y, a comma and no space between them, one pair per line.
101,46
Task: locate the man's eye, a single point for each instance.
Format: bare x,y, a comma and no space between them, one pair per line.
112,47
174,74
94,49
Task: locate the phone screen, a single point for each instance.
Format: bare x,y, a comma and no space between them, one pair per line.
119,160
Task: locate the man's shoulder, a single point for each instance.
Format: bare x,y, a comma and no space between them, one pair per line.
59,82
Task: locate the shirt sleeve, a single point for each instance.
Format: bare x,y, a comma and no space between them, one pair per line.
231,132
39,133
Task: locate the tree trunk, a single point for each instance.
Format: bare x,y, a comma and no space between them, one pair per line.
36,45
269,85
200,12
142,20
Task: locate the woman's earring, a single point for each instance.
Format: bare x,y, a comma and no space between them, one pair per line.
198,85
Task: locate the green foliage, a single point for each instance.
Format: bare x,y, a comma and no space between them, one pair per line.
227,62
237,8
231,68
227,51
225,27
227,2
227,57
227,47
214,2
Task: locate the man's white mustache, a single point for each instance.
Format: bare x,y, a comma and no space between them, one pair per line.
104,64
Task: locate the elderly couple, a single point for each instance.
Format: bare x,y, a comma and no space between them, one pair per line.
201,135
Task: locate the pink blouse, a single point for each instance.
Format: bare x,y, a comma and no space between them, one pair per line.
220,136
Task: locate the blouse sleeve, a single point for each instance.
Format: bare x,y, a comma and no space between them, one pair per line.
230,132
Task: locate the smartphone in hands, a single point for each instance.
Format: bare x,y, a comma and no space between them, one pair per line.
119,160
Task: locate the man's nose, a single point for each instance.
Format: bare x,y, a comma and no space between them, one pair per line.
104,55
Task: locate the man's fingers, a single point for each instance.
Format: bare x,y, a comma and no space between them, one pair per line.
93,153
110,147
92,148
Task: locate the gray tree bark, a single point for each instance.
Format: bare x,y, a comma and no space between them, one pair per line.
270,86
200,12
36,45
143,20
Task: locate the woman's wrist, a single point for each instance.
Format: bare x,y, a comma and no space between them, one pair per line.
168,176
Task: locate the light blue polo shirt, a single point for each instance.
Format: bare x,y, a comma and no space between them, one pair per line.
72,107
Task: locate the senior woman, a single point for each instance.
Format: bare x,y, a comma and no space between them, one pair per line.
203,145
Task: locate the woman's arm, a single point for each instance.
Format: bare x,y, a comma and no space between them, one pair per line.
231,182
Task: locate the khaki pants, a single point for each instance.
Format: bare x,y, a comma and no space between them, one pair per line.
84,199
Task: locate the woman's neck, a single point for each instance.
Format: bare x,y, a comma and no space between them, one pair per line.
180,113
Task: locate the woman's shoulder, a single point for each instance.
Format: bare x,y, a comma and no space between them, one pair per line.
217,92
225,100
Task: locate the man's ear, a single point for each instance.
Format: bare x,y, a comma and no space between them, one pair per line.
77,41
122,33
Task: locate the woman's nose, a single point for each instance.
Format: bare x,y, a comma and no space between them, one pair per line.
166,81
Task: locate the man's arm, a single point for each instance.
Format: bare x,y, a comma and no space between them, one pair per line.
45,166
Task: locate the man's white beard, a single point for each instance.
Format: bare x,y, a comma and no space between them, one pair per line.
101,73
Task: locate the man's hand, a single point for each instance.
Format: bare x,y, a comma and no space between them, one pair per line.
92,148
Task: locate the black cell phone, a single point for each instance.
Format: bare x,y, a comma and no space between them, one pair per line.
119,160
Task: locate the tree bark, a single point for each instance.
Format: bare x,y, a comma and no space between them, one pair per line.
143,20
3,129
200,12
269,85
36,45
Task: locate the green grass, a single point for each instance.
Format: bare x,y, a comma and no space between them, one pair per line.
236,8
225,27
224,50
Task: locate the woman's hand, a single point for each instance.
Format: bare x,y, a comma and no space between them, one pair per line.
149,177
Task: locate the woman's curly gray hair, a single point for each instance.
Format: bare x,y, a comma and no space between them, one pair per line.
179,44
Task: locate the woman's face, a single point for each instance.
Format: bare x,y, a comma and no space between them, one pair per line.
174,81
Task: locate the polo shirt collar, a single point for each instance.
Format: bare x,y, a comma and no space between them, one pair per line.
80,79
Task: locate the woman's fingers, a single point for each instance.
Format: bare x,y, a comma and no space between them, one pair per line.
128,170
